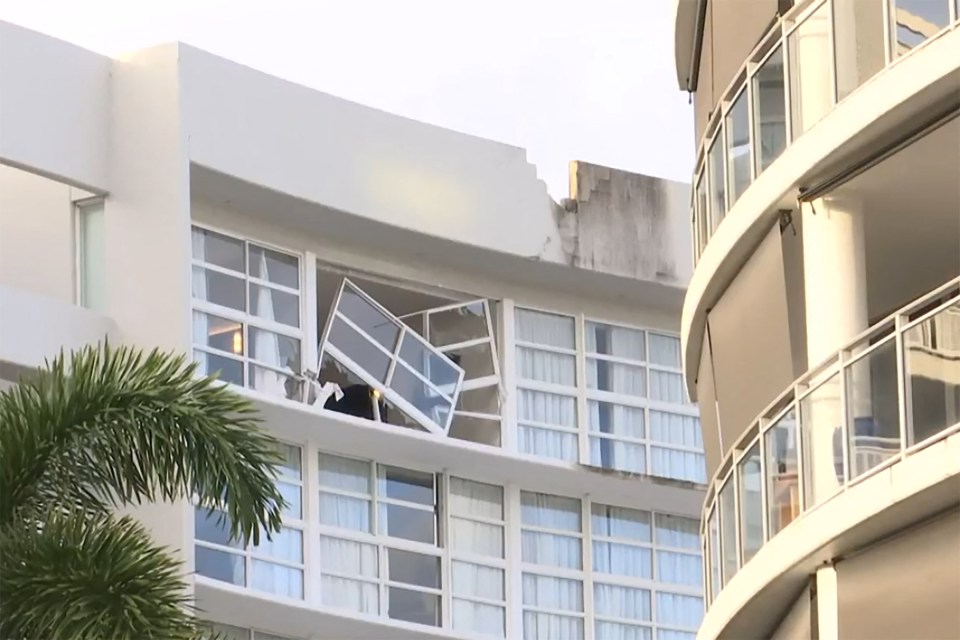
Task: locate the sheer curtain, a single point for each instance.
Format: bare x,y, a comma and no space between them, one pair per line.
673,463
199,286
266,343
622,603
547,409
551,512
340,558
679,610
558,594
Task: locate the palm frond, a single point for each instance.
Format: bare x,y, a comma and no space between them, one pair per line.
115,425
88,578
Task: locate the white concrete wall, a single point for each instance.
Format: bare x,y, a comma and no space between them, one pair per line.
54,107
36,234
363,161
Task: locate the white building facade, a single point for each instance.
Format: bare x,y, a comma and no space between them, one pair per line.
821,328
479,392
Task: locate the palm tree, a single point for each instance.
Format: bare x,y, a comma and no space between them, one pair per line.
93,432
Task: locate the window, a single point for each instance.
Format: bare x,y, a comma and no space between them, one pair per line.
717,183
751,507
476,539
91,256
915,21
637,416
703,214
857,42
783,490
728,530
551,550
246,313
713,532
738,146
811,93
678,545
273,566
770,113
547,393
379,546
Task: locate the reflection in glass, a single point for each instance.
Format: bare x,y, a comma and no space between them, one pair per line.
273,266
369,318
414,390
703,215
820,430
770,111
728,530
611,340
273,304
461,324
874,408
811,93
713,531
751,507
783,483
933,374
857,37
431,365
616,377
359,349
412,568
715,162
737,128
916,21
215,248
413,606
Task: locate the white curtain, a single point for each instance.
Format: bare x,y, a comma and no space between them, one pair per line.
614,454
617,341
478,581
547,408
620,522
480,618
476,537
552,593
267,343
622,559
670,634
344,474
664,350
667,387
679,610
546,366
345,512
551,512
679,568
349,558
621,602
604,630
676,531
199,285
287,545
616,377
682,465
548,329
673,428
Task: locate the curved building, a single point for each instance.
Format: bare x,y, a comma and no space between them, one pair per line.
821,327
479,391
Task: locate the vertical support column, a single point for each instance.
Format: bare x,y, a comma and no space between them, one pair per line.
836,310
827,614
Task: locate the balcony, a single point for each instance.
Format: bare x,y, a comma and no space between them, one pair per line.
816,56
889,394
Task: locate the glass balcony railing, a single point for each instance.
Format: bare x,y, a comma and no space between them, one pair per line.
893,391
813,58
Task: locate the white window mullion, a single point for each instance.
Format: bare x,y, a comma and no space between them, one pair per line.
514,576
507,333
580,380
588,604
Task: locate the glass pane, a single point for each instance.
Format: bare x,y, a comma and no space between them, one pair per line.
548,329
290,467
713,530
477,499
407,523
551,549
413,568
616,419
227,369
546,408
681,465
276,579
476,361
548,443
679,610
667,387
214,527
858,40
482,400
665,350
622,560
220,565
728,530
547,592
216,248
604,375
537,626
916,21
718,188
703,215
273,266
770,110
550,512
615,341
476,537
286,545
820,420
811,93
621,602
292,494
219,288
461,324
479,618
344,473
275,350
345,512
347,557
618,631
415,391
546,366
354,595
359,349
371,320
751,507
615,454
275,305
933,373
413,606
738,146
679,568
676,531
674,428
270,382
620,522
478,581
217,333
783,483
407,485
433,366
874,405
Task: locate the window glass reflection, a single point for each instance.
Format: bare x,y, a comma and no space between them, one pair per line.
718,204
933,374
770,110
728,530
874,435
783,491
811,93
738,146
915,21
858,43
820,424
751,508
